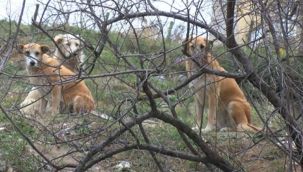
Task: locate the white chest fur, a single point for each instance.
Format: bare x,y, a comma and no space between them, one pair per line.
39,80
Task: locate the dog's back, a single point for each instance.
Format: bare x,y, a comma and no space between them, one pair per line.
78,95
75,92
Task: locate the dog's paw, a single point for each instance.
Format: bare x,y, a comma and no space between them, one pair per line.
196,128
55,112
225,129
208,128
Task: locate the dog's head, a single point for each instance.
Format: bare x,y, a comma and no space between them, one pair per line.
198,50
194,45
69,45
33,53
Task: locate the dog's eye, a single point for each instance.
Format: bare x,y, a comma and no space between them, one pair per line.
77,44
26,53
37,53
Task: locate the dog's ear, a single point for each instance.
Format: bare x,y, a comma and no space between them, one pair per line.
20,48
58,39
44,49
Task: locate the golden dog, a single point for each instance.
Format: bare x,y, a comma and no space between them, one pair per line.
58,79
227,105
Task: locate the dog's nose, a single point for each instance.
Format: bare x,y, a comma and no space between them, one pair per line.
75,54
32,63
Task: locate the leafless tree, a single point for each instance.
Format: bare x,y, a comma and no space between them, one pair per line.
134,73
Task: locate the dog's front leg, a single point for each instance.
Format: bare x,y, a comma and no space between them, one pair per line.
56,97
212,112
199,100
43,105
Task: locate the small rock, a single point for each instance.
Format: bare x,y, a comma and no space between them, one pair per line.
10,169
122,166
150,123
2,128
101,115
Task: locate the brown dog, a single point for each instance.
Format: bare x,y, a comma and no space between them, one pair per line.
57,79
228,107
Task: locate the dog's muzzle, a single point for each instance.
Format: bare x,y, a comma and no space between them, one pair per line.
32,63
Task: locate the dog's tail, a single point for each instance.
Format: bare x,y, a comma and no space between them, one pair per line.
248,116
255,128
248,127
247,111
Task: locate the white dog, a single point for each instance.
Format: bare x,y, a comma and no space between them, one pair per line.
69,51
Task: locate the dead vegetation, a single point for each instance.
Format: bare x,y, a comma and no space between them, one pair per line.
144,109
